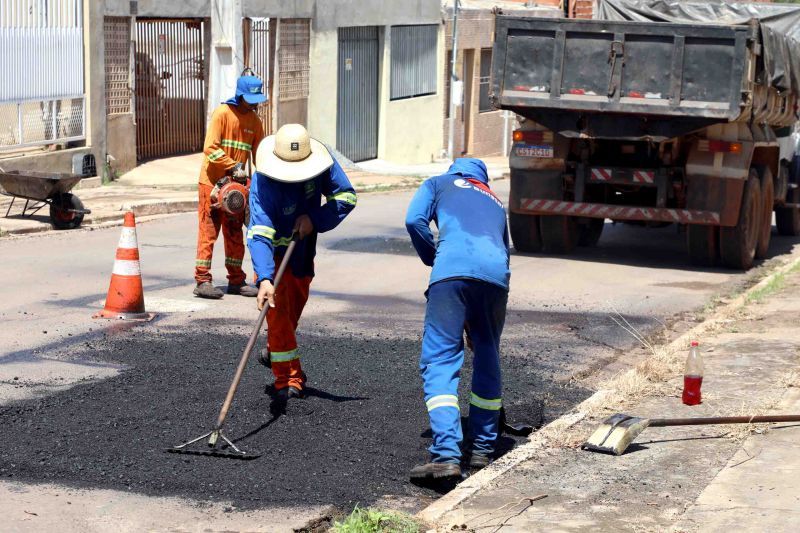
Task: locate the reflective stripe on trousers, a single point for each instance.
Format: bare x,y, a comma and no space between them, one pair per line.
451,305
210,223
291,296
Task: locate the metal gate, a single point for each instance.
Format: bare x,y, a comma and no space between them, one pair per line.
42,92
357,112
258,44
170,87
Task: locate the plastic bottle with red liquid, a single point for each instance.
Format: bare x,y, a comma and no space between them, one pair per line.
693,376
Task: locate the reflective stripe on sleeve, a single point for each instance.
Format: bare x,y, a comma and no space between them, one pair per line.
442,400
230,143
216,154
346,197
284,357
263,231
489,404
283,241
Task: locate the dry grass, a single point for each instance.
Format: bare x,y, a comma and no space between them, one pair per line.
741,432
648,378
790,379
656,374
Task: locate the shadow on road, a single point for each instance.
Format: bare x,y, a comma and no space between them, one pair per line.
637,246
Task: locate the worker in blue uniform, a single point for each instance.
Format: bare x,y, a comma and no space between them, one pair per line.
294,172
468,288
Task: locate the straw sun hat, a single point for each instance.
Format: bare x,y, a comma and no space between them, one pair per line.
292,156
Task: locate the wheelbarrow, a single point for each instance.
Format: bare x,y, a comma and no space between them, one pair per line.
40,189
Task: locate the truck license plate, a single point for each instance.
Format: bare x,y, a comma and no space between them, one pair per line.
529,150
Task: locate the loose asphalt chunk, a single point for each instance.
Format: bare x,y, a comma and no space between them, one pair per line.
352,440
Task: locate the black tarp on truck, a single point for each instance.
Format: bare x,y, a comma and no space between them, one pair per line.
779,25
674,121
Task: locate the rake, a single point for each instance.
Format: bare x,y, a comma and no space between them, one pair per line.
215,447
618,431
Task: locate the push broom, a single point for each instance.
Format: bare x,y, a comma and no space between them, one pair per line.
618,431
214,446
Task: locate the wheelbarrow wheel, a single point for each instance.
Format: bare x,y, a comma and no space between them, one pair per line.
61,211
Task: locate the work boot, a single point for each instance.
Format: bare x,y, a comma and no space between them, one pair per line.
207,290
288,393
436,471
479,461
243,290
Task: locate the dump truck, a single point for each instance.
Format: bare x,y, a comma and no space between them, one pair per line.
659,113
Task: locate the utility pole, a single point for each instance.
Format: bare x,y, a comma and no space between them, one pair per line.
453,80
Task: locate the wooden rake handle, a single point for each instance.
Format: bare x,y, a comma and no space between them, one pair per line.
665,422
223,413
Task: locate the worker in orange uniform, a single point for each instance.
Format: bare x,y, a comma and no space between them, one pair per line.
293,174
233,135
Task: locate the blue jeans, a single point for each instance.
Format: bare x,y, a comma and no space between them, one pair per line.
452,305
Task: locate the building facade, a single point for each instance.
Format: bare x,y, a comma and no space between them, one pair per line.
480,130
364,76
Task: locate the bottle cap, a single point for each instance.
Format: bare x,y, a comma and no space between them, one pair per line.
695,343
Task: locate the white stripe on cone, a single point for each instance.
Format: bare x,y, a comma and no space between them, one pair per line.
128,238
124,267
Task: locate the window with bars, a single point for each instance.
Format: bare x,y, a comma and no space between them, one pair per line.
117,31
413,60
485,81
293,59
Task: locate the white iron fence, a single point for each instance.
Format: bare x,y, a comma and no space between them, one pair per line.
42,98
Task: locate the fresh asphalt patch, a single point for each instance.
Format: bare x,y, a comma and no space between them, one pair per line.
352,440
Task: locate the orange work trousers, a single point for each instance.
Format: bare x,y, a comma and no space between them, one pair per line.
210,222
291,296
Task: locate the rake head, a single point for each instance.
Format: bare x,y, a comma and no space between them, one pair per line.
213,447
615,434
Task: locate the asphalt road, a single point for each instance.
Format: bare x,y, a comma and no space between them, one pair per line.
92,404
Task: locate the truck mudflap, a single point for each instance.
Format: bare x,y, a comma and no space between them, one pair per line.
533,206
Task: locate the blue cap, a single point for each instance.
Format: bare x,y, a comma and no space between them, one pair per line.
250,88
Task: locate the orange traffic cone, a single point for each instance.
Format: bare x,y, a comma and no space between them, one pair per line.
125,298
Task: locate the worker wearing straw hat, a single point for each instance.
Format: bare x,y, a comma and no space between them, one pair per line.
297,189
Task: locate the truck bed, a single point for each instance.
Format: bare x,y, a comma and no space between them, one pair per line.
573,67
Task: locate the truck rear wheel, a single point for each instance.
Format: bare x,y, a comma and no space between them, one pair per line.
788,218
559,234
703,245
767,204
525,233
589,233
737,244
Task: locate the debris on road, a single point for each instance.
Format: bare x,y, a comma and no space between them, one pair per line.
361,434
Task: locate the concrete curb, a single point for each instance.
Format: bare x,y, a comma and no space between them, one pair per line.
159,207
169,207
435,511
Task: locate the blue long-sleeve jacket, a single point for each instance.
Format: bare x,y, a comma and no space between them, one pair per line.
274,208
473,237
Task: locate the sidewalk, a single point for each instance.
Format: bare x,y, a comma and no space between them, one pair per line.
169,185
702,478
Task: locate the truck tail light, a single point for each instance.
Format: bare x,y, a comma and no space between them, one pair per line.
578,92
532,137
635,94
706,145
